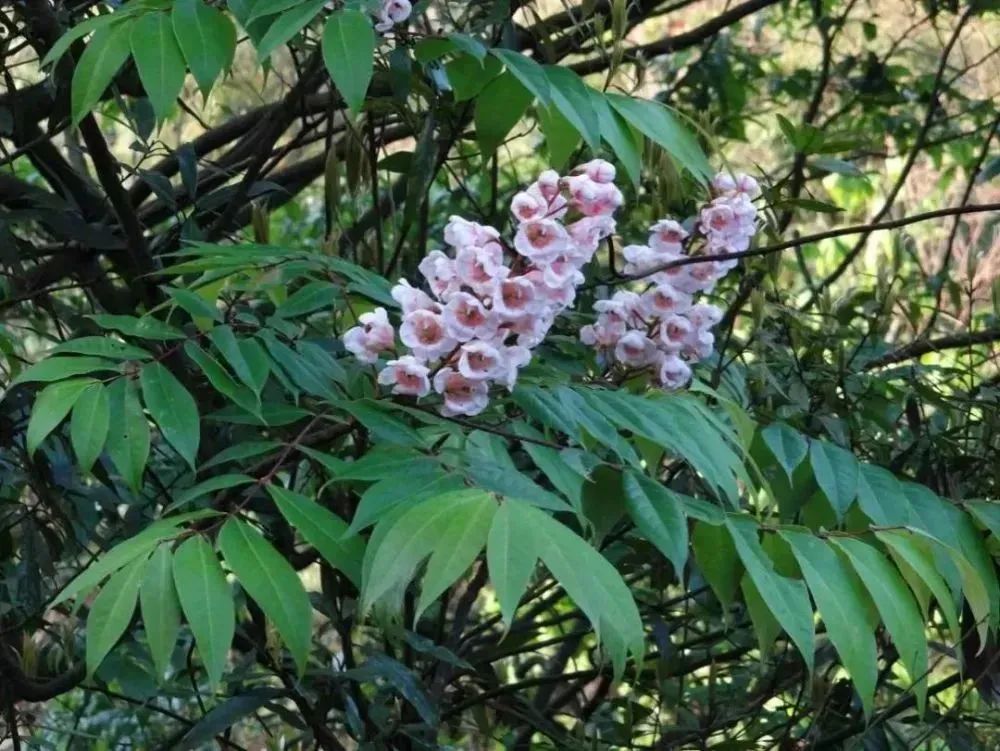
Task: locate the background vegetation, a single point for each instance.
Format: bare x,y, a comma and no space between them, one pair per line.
208,237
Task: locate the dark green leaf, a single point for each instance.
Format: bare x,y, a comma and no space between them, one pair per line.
111,612
208,39
106,52
207,603
499,107
270,580
286,26
511,555
658,516
659,124
159,60
349,54
173,409
88,427
51,407
161,611
128,434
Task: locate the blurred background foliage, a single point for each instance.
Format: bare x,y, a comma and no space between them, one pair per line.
849,112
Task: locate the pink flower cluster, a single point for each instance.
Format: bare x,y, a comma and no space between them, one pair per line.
662,327
390,13
491,302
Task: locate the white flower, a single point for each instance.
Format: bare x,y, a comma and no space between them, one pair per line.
406,375
465,318
542,240
424,332
480,361
462,396
374,334
673,372
635,349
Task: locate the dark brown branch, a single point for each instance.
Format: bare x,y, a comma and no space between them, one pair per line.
926,346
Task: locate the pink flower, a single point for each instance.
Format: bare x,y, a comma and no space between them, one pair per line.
603,334
466,318
664,299
588,232
406,375
749,186
514,358
704,315
723,183
478,267
699,345
667,236
374,334
675,332
603,199
548,184
718,218
391,13
598,170
514,296
625,306
673,372
411,298
559,272
635,349
479,361
439,271
541,240
531,330
460,232
641,259
462,396
527,206
424,332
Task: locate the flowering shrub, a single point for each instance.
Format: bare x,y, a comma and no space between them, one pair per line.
492,301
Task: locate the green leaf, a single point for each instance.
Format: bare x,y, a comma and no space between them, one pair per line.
498,109
57,368
106,52
571,96
221,380
272,582
286,26
716,556
383,426
988,514
469,76
258,363
322,529
207,603
838,166
121,554
51,407
205,487
159,61
201,310
349,54
471,45
312,296
658,516
392,491
881,497
146,327
173,409
111,612
528,72
262,8
225,715
414,536
511,556
88,427
916,553
619,136
246,450
208,39
301,370
765,625
128,434
161,611
225,341
491,467
465,536
80,30
561,138
787,599
660,125
841,600
101,346
836,471
897,608
592,583
788,445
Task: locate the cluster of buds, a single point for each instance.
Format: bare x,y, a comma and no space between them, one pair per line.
491,302
661,327
390,13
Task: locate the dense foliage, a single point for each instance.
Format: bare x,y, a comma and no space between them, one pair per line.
499,375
